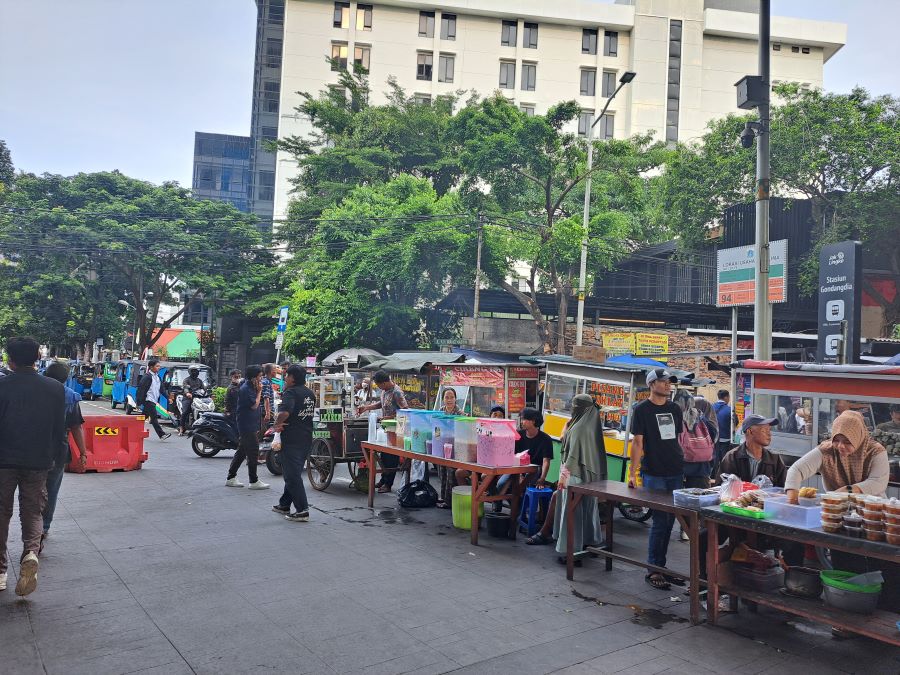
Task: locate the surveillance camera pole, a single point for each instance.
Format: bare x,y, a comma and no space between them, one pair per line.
762,314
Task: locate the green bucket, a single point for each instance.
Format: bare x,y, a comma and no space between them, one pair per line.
461,508
837,579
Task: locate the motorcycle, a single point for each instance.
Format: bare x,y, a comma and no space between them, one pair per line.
213,432
201,402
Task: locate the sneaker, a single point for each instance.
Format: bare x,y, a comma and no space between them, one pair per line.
28,575
684,536
280,509
259,485
165,436
233,482
299,517
3,581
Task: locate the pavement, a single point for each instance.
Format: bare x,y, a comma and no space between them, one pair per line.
165,570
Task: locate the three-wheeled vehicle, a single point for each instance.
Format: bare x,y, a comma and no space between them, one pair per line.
80,377
104,376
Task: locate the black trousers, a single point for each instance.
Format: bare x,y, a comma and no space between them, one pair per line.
185,412
150,414
389,461
248,448
293,462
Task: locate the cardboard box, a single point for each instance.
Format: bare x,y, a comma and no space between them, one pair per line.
594,353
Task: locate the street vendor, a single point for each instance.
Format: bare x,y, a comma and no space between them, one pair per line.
753,458
392,400
850,461
447,475
893,426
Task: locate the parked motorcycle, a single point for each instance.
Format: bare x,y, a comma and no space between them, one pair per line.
212,432
201,402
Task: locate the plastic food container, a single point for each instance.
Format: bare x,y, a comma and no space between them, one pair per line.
442,434
853,520
832,528
402,425
419,430
893,539
690,497
832,518
836,498
875,535
876,525
852,601
869,514
795,514
855,532
892,529
465,439
891,519
893,507
834,508
496,442
810,501
871,502
770,580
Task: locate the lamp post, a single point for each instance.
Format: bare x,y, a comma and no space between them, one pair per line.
627,77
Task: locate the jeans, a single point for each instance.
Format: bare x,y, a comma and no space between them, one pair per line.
150,414
248,448
661,529
54,481
293,461
32,486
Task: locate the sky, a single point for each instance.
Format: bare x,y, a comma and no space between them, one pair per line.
92,85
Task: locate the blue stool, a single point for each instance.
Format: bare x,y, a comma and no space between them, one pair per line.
533,498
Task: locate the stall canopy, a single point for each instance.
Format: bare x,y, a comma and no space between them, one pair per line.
409,362
351,355
883,369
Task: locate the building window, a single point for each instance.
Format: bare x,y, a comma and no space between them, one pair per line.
276,12
206,177
273,53
588,82
610,43
588,40
673,95
196,313
364,17
446,63
528,109
608,86
606,126
529,36
268,134
508,34
338,56
584,121
266,183
271,92
421,99
529,76
795,49
507,75
424,65
426,24
361,55
776,47
341,15
804,50
448,26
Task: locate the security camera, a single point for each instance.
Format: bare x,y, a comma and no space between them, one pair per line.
747,136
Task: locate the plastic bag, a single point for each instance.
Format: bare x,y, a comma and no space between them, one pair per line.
732,487
276,441
417,470
417,495
762,482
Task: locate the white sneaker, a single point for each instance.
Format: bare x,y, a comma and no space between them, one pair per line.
28,575
258,485
233,482
3,581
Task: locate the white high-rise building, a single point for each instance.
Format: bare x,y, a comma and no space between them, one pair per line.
687,54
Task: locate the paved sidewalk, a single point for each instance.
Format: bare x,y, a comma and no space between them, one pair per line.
165,570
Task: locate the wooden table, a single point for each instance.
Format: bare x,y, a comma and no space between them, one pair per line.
881,625
482,477
613,492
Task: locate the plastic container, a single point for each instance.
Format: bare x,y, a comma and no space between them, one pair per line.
497,442
837,498
770,580
892,529
810,501
832,528
746,513
686,497
442,433
874,525
891,519
465,439
892,506
373,426
421,429
838,579
794,514
803,581
855,532
832,518
851,601
875,535
892,539
869,514
402,425
872,503
497,525
834,508
461,508
853,520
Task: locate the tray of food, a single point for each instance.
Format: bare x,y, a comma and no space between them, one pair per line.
750,504
696,497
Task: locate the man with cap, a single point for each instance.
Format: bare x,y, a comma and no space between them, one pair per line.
656,452
753,458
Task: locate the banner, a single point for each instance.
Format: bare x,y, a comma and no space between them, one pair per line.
736,274
608,394
516,401
473,376
649,344
840,289
524,372
617,344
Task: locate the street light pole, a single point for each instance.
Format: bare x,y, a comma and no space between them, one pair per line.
582,275
762,309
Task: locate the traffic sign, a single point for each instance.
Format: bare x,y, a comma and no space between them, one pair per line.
279,340
736,271
282,319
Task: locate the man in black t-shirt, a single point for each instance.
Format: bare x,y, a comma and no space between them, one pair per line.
295,424
656,451
540,451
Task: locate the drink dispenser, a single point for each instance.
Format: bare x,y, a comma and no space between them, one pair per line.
442,436
497,442
421,429
465,439
403,430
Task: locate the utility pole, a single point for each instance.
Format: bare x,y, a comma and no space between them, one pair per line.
477,281
762,309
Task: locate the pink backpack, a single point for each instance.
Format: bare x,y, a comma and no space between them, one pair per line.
697,444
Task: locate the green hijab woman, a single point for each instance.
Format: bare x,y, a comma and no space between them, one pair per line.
583,458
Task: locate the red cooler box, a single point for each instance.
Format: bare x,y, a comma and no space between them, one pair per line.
114,443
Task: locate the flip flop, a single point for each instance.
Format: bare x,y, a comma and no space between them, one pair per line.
674,580
442,505
537,540
658,581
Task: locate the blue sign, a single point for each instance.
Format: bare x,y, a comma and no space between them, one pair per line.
282,319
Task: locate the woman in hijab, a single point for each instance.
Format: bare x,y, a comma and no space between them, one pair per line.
849,462
583,458
709,417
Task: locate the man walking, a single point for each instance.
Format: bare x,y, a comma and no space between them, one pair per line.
248,410
148,396
295,423
656,452
75,425
723,417
32,419
392,400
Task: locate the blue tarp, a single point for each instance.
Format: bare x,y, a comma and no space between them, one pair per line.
637,360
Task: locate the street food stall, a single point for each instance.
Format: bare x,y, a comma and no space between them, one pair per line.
479,387
414,372
806,397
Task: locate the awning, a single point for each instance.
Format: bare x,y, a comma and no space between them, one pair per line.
409,362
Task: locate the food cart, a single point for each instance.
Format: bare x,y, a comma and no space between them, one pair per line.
414,372
479,387
806,397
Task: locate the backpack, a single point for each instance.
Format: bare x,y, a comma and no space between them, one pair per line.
697,444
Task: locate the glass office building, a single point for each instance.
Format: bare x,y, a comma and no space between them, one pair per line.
222,168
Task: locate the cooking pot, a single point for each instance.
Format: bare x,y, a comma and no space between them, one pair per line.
803,581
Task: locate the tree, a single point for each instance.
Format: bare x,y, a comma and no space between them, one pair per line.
80,244
6,168
375,263
528,174
840,151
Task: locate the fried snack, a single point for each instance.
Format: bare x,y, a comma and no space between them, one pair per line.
808,492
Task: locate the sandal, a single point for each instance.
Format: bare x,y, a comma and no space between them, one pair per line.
658,581
677,581
537,540
383,489
442,505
